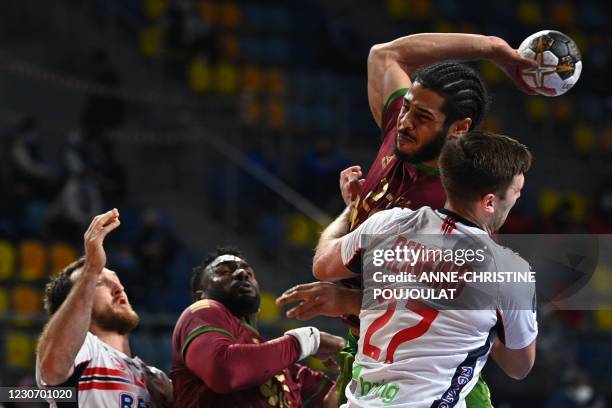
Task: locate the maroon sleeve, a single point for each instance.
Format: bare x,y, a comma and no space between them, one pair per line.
314,385
207,343
391,111
226,367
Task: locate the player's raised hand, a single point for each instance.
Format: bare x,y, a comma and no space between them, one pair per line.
329,346
350,183
100,227
511,62
320,299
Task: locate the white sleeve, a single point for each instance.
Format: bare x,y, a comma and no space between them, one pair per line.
85,354
518,311
353,243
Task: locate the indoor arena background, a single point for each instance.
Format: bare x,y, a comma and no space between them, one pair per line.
227,122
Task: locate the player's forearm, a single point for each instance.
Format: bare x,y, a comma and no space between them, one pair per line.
232,367
417,50
65,333
327,258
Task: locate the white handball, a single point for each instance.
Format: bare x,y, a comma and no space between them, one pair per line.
559,62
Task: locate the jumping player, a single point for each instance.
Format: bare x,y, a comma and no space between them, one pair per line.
85,344
483,175
220,360
419,100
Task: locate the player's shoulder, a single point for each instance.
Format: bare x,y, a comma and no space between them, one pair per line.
508,260
205,308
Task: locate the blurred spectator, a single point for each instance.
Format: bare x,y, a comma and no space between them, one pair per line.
320,168
578,392
102,112
600,221
33,177
156,249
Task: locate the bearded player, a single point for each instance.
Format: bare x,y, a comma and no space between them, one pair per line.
419,103
219,358
85,344
427,356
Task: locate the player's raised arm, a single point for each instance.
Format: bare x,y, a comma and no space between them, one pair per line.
65,333
391,64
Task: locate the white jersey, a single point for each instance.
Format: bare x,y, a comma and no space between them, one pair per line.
105,377
419,357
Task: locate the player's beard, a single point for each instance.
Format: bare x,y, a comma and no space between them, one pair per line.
121,321
428,152
241,305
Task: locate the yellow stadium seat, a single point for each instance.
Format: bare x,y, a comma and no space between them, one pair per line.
252,111
548,202
226,75
208,11
536,108
153,9
606,139
603,319
579,204
564,110
529,13
443,27
7,259
276,81
199,75
252,79
62,255
32,260
230,47
490,123
398,8
151,40
420,9
268,311
19,350
4,302
584,138
490,72
276,114
26,300
230,15
562,14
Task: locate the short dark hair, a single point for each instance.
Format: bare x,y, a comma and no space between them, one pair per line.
58,288
465,94
198,276
480,163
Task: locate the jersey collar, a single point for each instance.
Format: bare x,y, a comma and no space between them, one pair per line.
459,218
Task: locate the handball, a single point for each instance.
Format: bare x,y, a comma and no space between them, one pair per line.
559,62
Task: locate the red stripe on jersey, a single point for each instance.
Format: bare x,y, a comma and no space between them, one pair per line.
109,386
451,225
105,371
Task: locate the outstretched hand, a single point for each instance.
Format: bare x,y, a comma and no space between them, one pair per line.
320,299
100,227
511,62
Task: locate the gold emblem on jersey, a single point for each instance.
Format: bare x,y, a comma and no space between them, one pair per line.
386,160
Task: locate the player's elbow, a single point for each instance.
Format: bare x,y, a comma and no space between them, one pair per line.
322,266
519,372
51,371
378,54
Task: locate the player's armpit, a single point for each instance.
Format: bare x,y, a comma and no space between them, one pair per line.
515,363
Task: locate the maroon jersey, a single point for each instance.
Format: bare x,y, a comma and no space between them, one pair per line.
391,182
234,366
